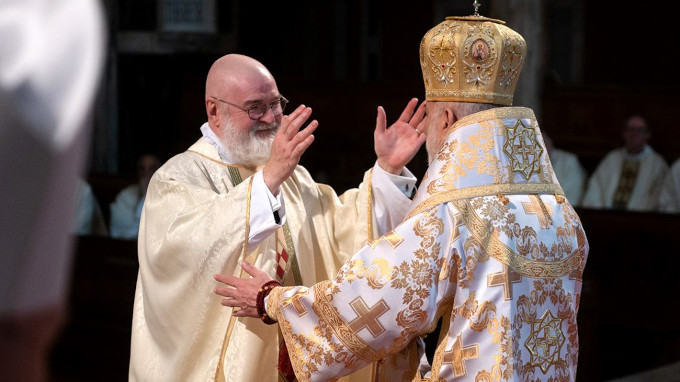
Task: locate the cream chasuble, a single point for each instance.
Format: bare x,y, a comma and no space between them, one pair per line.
491,246
650,169
195,224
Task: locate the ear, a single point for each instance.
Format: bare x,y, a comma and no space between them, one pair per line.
213,112
444,121
450,118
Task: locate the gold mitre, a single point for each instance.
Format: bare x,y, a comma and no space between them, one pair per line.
471,59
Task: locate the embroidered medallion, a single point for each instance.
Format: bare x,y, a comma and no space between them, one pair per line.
523,149
545,342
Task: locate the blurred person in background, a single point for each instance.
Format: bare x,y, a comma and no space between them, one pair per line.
568,169
630,177
126,209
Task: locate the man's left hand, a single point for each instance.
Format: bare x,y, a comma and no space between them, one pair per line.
397,145
242,292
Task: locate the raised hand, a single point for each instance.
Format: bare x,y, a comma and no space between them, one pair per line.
288,146
242,292
397,145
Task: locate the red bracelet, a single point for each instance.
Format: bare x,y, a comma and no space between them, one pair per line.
264,292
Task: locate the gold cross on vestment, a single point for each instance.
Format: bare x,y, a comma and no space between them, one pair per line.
458,218
505,279
392,238
294,300
536,207
459,354
368,317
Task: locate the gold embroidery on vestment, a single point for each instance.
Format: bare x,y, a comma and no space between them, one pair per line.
294,301
505,279
459,354
535,206
392,238
377,273
325,310
523,149
545,342
368,317
493,189
506,255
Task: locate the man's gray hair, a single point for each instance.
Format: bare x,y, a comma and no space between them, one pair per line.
463,109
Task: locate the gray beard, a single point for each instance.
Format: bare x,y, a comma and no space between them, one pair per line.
432,148
247,148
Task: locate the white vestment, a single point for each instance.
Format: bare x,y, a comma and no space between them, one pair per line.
570,174
604,182
669,197
195,222
491,246
126,211
51,59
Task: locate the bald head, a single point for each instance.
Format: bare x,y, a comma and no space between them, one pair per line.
235,73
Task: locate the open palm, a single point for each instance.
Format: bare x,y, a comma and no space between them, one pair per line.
397,145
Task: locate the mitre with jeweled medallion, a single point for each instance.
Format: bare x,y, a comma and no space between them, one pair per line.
471,59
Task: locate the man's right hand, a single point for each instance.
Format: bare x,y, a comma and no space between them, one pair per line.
288,146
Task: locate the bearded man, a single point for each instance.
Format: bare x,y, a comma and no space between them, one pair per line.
239,194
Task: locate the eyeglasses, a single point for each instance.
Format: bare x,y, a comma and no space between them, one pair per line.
258,110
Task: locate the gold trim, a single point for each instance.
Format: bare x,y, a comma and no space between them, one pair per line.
247,167
494,189
505,255
294,352
292,256
467,96
219,374
325,310
273,300
369,206
514,112
235,175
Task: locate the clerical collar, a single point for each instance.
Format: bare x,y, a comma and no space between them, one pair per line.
646,150
214,140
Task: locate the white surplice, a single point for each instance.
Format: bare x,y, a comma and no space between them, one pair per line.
491,246
194,224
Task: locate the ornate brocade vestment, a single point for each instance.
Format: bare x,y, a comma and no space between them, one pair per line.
491,246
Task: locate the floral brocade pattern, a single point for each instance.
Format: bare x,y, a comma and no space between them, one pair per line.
500,263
